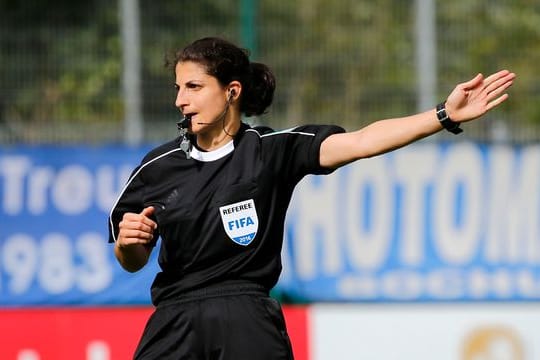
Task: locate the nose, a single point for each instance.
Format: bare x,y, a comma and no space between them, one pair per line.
181,99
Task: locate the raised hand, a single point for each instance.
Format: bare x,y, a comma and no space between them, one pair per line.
474,98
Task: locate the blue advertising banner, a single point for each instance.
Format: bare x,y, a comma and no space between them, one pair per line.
430,222
54,204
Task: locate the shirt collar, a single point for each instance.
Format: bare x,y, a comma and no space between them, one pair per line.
207,156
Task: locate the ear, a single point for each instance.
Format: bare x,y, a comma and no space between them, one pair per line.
234,90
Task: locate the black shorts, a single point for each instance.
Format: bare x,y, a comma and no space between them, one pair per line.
225,322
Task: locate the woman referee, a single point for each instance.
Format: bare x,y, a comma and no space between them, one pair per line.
218,194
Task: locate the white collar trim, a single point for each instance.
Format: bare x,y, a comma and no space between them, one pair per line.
207,156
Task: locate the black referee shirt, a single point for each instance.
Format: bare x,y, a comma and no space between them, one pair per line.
221,214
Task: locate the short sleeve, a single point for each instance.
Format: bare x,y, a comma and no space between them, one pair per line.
296,152
129,200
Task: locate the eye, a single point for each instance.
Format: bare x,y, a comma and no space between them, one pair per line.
192,86
176,87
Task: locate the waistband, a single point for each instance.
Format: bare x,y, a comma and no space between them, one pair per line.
228,288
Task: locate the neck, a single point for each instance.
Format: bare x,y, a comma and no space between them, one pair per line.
220,135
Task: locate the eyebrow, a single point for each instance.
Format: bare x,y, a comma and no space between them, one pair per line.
190,82
193,81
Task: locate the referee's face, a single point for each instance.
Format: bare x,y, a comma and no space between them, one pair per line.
200,96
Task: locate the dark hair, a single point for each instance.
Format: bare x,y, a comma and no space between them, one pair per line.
227,62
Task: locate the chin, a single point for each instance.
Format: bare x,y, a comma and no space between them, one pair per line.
198,129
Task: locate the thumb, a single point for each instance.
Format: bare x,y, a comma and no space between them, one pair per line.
474,81
148,211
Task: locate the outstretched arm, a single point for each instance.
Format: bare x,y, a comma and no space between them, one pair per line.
468,101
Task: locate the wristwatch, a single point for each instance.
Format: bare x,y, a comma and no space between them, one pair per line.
445,120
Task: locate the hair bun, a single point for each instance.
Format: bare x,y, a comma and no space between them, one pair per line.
260,90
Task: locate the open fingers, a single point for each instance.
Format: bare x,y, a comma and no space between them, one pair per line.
490,105
497,76
495,90
500,84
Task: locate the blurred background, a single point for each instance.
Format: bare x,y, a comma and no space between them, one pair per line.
429,252
69,71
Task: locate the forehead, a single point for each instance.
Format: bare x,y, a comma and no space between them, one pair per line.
189,71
